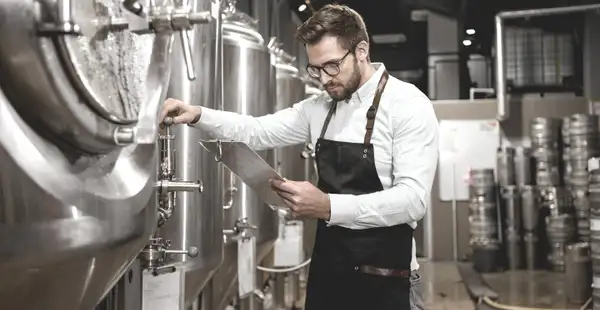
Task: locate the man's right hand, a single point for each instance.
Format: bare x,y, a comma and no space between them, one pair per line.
180,112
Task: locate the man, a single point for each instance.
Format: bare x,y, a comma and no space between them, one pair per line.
376,144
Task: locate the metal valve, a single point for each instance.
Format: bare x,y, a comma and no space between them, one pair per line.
241,229
64,24
134,6
167,186
276,48
191,252
156,254
180,19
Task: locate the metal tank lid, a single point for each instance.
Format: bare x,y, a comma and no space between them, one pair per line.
239,26
281,59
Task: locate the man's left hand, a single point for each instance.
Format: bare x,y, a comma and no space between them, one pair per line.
303,198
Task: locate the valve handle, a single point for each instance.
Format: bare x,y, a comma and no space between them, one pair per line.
186,47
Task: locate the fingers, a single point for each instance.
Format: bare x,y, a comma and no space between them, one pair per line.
284,186
174,109
286,196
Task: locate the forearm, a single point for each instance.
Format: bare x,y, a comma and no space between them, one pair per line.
270,131
401,204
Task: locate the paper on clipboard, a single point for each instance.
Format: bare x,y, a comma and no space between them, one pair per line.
247,165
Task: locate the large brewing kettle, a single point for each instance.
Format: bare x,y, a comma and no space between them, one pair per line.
197,218
81,87
249,78
290,90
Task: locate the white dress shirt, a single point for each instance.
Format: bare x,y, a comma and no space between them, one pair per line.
405,140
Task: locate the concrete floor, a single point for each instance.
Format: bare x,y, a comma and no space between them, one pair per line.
443,288
539,289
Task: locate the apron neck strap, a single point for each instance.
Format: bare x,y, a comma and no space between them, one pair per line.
371,113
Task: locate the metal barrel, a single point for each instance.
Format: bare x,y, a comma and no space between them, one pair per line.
547,167
529,207
557,199
581,203
583,131
511,207
505,165
530,241
523,166
514,252
561,231
483,225
483,220
578,272
545,131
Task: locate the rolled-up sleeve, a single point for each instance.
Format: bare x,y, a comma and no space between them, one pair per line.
286,127
414,159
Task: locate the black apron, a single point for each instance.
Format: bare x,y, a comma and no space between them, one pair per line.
357,269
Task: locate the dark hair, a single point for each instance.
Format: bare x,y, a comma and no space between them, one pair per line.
334,20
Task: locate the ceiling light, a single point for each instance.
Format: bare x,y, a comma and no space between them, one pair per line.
302,7
470,32
467,42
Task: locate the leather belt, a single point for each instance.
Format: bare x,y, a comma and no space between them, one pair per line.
384,272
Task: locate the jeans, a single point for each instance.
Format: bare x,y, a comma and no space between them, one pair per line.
416,291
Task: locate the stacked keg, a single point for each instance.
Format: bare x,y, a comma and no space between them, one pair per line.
546,148
529,205
578,273
560,223
594,191
545,142
583,145
483,220
530,215
510,202
566,149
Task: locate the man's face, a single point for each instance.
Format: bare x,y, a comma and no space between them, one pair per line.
324,58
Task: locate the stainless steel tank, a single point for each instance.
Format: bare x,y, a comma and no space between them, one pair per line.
249,80
80,95
290,161
312,88
290,90
197,220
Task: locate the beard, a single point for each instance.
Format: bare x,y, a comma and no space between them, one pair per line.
344,92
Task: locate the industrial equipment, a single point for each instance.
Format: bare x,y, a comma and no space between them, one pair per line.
289,246
483,219
250,79
82,82
290,90
191,221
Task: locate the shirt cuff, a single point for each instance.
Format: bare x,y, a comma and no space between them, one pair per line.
207,118
343,210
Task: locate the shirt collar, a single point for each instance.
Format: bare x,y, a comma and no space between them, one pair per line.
368,89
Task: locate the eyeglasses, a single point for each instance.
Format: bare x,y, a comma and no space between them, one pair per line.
331,68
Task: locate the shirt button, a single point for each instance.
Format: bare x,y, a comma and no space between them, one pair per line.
355,267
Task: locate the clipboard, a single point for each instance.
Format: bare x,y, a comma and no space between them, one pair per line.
247,165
